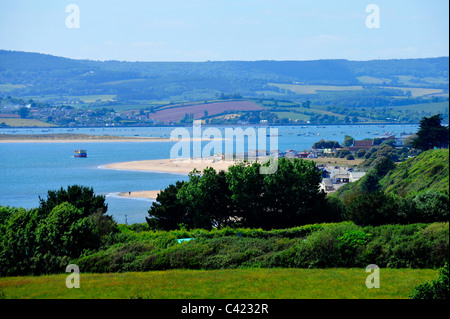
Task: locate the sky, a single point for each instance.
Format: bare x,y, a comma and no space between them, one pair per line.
223,30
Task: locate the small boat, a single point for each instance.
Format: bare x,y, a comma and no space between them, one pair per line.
80,153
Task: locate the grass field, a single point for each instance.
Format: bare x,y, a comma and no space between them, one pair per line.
93,98
437,107
9,87
372,80
336,161
415,92
312,89
276,283
292,116
18,122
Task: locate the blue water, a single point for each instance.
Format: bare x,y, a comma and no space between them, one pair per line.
29,170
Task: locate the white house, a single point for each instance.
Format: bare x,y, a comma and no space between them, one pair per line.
354,176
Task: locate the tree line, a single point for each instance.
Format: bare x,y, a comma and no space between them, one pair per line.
242,197
66,224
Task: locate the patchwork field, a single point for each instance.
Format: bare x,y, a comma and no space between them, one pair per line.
336,283
175,114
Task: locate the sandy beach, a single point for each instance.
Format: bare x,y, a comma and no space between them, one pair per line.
181,166
80,138
140,194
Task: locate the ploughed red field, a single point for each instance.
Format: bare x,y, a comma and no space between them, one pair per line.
176,114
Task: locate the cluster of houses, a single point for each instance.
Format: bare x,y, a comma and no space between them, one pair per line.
335,177
78,117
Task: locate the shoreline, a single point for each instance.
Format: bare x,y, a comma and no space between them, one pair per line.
181,166
140,194
83,138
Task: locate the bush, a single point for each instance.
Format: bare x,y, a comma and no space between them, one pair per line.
321,248
313,246
351,246
34,242
373,208
17,241
432,206
360,153
436,289
96,263
66,233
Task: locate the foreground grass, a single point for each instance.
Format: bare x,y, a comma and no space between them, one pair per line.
277,283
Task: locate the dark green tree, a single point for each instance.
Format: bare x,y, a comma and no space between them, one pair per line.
167,212
65,232
32,244
292,193
24,112
206,199
83,198
374,208
370,182
348,140
18,241
246,185
431,134
326,144
79,196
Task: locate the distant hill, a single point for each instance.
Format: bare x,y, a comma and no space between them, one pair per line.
24,74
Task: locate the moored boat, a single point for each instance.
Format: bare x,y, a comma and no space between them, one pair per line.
80,153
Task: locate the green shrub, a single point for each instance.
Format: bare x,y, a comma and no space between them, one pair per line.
129,256
432,206
436,289
360,153
321,248
155,261
96,263
410,252
352,246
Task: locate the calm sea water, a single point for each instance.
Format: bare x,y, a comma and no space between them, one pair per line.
29,170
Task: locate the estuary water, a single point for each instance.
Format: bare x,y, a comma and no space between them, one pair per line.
29,170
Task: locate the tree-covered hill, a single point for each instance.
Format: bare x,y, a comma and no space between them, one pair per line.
32,74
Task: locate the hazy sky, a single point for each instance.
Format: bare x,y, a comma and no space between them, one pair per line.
201,30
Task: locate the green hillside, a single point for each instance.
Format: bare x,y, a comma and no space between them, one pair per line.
429,170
